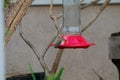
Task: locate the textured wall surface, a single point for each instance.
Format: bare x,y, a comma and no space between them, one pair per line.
39,29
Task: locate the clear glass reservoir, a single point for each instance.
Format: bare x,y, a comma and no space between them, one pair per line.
71,17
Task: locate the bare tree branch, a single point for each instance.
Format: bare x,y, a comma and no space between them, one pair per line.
92,21
59,16
55,19
57,61
14,16
100,78
89,4
39,57
48,46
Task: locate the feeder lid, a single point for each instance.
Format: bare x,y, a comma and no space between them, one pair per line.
74,41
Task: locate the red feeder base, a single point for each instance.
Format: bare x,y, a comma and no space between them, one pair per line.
74,41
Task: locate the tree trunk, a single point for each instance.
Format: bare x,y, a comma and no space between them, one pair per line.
13,16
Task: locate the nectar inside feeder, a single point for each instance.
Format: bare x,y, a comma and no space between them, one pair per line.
71,37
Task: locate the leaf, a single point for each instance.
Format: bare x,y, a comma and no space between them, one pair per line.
6,3
6,31
32,72
52,77
59,74
45,78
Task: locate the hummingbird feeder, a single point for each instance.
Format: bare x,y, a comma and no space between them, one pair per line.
71,37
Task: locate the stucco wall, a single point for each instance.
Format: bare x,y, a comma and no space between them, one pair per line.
78,63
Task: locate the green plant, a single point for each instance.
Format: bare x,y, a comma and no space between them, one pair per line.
6,31
32,72
54,76
59,74
6,3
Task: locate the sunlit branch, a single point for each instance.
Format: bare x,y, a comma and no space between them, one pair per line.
100,11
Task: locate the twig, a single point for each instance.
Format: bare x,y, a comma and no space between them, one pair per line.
100,11
48,46
55,19
89,4
100,78
51,41
59,16
57,61
39,57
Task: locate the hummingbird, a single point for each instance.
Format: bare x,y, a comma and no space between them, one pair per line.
58,42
